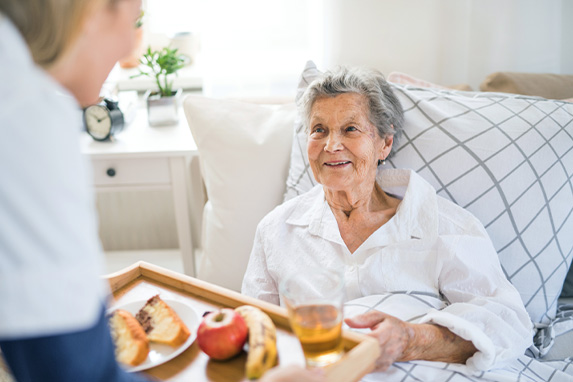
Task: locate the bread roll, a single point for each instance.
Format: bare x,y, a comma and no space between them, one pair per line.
161,323
131,343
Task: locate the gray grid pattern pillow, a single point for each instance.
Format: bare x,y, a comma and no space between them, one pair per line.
508,159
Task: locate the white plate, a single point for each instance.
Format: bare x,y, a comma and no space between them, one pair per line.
159,353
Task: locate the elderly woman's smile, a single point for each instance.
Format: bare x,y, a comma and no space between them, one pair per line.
344,146
388,231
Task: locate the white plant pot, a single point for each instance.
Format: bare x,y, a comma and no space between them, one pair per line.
162,111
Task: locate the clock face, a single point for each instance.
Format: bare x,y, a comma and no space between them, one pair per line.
98,121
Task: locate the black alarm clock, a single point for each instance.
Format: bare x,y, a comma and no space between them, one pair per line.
103,120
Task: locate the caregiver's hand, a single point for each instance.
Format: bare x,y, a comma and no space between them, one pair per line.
403,341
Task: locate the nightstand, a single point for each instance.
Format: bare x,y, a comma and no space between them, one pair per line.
148,158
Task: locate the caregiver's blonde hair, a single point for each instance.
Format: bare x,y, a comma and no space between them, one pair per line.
49,26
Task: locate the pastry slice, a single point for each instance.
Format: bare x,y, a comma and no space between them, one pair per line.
161,323
131,343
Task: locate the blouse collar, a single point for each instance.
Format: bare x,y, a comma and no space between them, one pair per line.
416,217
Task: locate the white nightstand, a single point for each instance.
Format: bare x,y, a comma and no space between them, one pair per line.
148,158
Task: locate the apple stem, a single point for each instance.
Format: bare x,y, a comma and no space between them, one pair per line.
219,317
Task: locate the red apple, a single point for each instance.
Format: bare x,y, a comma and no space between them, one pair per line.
222,334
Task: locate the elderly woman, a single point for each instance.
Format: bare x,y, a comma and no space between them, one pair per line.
388,231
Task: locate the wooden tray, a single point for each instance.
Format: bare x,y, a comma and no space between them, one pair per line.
143,280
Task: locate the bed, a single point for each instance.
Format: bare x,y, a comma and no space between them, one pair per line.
507,158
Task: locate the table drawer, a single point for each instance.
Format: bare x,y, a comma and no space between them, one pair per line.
120,172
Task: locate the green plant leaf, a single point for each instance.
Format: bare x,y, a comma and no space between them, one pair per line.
161,65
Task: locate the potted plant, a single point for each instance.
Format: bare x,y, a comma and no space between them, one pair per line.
162,65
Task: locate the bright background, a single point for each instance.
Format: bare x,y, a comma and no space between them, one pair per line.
259,47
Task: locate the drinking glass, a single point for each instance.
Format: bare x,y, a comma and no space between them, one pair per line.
314,299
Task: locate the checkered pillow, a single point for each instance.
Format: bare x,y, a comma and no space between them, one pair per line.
508,159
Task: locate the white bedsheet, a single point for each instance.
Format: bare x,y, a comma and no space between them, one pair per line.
410,306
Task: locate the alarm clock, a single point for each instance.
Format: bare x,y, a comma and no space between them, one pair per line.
103,120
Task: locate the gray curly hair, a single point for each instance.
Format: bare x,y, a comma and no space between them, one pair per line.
385,109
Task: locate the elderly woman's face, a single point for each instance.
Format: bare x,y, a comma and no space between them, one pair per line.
343,146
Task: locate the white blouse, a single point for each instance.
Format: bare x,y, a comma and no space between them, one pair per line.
430,246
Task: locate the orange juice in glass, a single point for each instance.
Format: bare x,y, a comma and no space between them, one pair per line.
314,300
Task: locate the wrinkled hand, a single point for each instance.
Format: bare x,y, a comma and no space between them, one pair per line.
393,335
293,373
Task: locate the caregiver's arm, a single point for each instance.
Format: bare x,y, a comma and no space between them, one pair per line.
403,341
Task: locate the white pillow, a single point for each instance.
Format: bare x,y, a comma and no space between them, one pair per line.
508,159
244,155
300,178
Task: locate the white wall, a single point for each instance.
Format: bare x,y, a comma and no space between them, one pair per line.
567,37
451,41
258,47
